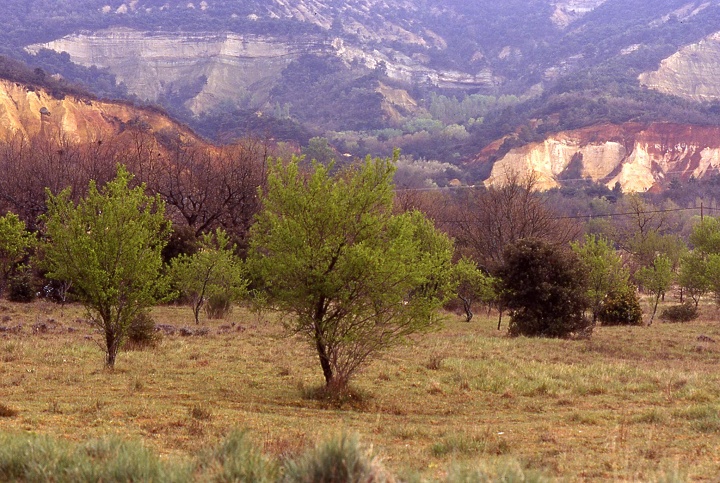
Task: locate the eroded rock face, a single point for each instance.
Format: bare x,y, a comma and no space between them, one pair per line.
225,67
212,68
567,11
31,112
637,156
218,66
693,72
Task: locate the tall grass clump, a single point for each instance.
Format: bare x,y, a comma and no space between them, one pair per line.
237,459
338,460
31,458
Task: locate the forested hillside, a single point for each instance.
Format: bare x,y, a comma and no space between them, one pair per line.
439,79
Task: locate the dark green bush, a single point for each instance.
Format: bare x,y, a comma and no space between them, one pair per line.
621,307
21,287
544,289
218,306
684,312
142,332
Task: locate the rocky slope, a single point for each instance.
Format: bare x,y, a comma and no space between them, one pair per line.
639,157
218,68
31,112
693,72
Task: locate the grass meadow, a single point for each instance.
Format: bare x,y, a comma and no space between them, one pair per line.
628,404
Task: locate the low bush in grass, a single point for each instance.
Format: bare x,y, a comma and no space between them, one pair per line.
141,333
340,459
21,287
237,459
218,306
621,307
684,312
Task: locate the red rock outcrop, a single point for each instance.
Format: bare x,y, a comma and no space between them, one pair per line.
638,156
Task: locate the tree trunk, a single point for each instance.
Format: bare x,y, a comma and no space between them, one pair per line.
467,306
652,317
112,342
324,360
500,310
196,310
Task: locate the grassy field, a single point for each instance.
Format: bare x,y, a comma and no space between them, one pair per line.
640,403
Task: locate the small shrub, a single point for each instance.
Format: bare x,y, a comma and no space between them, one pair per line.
218,306
621,308
7,412
237,459
435,362
348,397
680,313
340,459
200,413
141,333
20,287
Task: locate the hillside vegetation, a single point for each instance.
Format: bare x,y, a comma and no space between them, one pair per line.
567,73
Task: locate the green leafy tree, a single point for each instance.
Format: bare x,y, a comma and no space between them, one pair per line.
15,242
605,271
212,271
693,276
473,285
656,279
353,277
700,270
109,246
318,149
544,289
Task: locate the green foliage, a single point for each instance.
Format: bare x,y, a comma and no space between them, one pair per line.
656,279
353,278
472,284
605,271
705,236
544,289
684,312
693,276
319,150
621,307
700,269
15,242
219,305
32,458
20,286
213,275
141,332
109,246
237,459
338,460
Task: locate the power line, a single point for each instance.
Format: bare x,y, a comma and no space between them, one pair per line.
610,215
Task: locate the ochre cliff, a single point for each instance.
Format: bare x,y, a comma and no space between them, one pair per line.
638,156
30,112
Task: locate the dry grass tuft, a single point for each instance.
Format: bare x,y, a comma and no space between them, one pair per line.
7,412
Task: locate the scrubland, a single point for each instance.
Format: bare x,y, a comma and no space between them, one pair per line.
629,403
